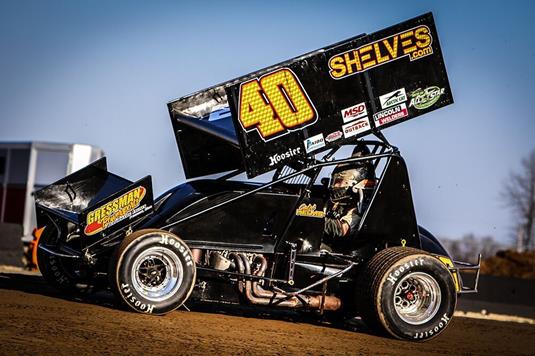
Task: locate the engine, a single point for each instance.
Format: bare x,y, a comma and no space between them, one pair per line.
251,268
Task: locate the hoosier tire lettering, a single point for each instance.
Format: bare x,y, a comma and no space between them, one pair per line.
393,277
441,325
58,275
165,240
145,308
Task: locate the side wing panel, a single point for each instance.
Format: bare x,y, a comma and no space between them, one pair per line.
388,219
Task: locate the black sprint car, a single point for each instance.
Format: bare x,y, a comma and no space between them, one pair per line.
222,238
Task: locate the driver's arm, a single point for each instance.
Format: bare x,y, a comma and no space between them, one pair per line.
345,228
342,226
336,227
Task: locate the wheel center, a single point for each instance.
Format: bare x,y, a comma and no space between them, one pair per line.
417,298
152,272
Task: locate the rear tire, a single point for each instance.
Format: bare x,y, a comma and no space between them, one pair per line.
64,274
407,294
153,271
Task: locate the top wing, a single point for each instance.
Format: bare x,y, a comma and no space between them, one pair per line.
295,109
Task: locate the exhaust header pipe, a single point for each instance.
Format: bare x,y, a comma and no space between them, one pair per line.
255,294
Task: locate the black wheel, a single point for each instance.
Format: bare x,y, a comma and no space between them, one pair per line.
64,274
407,293
153,271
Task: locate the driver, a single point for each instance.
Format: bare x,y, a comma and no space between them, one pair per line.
349,194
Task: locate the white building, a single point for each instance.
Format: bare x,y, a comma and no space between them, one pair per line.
28,166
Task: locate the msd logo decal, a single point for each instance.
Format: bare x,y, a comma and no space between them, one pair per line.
354,128
354,112
314,142
393,98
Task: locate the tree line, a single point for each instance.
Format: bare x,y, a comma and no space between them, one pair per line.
518,195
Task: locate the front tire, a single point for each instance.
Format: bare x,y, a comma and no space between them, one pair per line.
153,271
407,294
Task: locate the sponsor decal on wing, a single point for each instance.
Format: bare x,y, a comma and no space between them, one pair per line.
275,104
414,43
333,136
115,211
279,157
313,143
354,112
392,114
393,98
356,127
425,98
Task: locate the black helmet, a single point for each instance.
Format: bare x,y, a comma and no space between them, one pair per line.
360,150
346,176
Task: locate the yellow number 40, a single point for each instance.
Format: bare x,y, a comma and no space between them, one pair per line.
274,104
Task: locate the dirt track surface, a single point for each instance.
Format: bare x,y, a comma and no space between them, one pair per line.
35,319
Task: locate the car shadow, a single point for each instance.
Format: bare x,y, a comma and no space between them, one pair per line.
288,315
33,283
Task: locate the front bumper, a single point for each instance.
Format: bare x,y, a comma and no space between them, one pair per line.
459,266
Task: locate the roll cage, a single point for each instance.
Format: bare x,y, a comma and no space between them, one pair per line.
305,176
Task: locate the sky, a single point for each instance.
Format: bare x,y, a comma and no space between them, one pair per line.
101,73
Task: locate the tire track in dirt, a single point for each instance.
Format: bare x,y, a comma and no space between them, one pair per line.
35,319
